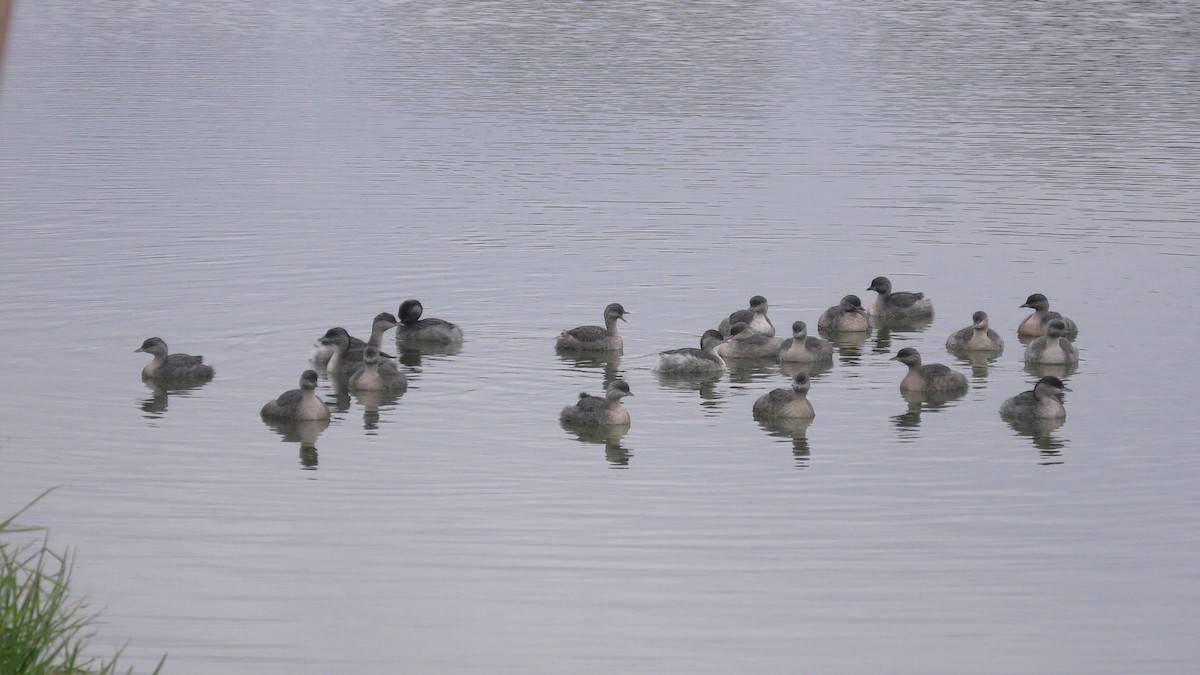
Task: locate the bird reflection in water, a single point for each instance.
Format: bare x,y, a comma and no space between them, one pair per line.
412,355
884,332
979,362
1041,432
607,435
849,345
338,397
751,370
374,402
814,369
1060,370
304,432
161,391
795,429
712,399
884,327
608,364
909,421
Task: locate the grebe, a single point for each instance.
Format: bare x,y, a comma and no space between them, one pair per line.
803,348
791,403
413,328
755,318
166,366
975,338
848,316
1053,348
899,306
377,374
382,323
600,411
690,360
298,404
1035,324
595,338
932,377
1044,401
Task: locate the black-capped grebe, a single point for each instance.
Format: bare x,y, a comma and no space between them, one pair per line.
1044,401
690,360
595,338
898,306
1035,324
166,366
414,329
606,411
1053,348
298,404
848,316
804,348
931,377
744,343
377,374
791,403
382,323
755,318
975,338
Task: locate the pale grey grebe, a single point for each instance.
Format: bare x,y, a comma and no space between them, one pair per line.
932,377
975,338
1053,348
413,328
298,404
382,323
595,410
172,366
595,338
1035,324
787,402
755,318
345,359
692,361
377,374
803,348
1044,401
848,316
744,343
899,306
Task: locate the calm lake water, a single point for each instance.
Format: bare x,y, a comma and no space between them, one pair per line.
237,177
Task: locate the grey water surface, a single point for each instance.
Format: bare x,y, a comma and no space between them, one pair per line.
237,177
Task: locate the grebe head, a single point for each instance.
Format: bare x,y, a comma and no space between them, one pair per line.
880,285
980,320
799,330
370,354
617,390
338,337
851,303
1050,386
410,311
711,339
801,383
308,380
908,356
154,346
759,304
1037,302
1056,329
615,311
740,331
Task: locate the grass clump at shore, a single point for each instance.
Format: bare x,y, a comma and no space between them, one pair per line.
43,630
